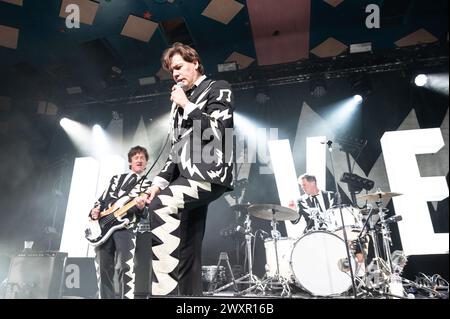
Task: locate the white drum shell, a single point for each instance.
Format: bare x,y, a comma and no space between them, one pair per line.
319,264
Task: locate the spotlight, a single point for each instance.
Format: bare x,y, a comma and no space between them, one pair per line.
357,98
421,80
361,86
96,127
64,121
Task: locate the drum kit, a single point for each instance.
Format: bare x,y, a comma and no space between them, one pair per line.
317,262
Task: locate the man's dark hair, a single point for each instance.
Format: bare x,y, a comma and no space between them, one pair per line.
308,177
186,52
137,149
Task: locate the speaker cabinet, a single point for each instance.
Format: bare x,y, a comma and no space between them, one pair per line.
36,275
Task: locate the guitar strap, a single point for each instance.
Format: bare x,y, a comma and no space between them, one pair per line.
130,185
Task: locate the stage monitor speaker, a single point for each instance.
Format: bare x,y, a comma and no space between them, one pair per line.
36,275
80,279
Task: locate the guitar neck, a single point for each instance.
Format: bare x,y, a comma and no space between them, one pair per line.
120,211
123,210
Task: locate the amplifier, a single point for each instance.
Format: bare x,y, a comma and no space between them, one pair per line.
36,275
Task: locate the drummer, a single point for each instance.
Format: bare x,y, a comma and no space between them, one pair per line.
313,206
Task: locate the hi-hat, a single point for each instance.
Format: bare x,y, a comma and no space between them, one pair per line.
375,197
271,211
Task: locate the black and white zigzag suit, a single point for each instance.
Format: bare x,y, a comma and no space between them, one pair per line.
190,181
307,202
117,252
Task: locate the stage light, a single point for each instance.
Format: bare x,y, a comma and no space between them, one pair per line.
64,122
147,80
361,47
357,98
361,87
227,66
318,87
421,80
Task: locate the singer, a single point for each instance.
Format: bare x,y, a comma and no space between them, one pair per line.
198,171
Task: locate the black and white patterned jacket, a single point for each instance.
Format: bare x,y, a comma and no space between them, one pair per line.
120,186
202,143
305,203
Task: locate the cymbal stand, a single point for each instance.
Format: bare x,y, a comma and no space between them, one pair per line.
377,268
394,282
381,271
252,280
386,236
275,235
248,242
276,279
249,278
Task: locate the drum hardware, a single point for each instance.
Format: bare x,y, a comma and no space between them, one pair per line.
249,278
381,273
274,213
318,218
212,287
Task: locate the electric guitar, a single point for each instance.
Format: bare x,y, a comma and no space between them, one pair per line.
99,230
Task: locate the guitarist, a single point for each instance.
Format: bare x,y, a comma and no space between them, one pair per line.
119,249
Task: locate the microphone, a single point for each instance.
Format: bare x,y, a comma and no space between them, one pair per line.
180,85
174,107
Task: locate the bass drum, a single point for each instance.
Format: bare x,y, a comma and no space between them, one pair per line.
319,264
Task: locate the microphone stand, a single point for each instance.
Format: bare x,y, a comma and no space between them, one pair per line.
344,231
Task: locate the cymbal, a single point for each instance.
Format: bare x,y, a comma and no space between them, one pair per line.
270,211
374,197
